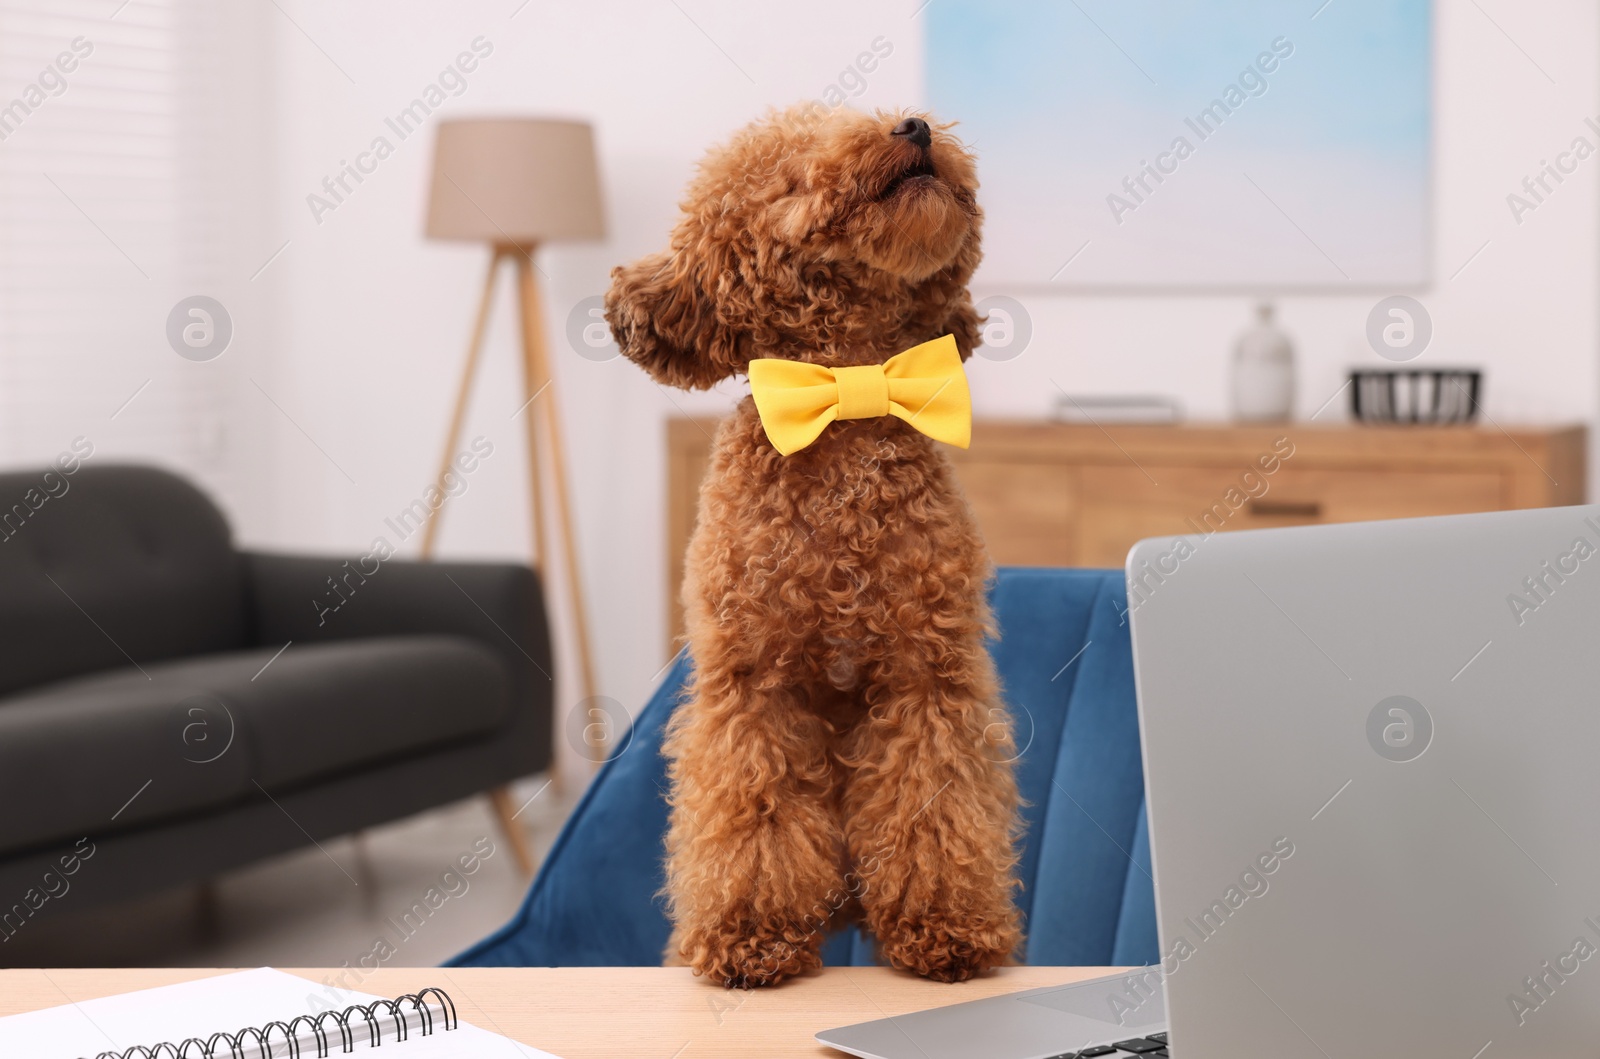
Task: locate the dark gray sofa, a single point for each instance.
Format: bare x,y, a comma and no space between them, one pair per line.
145,704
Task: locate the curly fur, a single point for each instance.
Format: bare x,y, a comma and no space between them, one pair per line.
842,752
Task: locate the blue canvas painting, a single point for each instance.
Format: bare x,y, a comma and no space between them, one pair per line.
1194,144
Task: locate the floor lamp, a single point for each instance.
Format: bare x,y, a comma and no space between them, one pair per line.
514,184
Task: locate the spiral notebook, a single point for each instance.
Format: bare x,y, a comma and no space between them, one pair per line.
253,1015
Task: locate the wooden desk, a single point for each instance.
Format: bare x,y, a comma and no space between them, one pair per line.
583,1012
1074,494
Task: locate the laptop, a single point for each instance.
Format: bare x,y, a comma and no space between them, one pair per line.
1372,767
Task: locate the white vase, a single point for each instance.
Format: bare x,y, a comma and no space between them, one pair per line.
1263,371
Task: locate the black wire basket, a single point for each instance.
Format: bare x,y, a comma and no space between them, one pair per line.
1400,395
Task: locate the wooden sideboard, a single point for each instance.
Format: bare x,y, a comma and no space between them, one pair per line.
1067,494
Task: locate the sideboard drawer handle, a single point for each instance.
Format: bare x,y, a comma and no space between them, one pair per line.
1286,509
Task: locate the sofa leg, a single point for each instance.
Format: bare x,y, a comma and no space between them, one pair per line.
366,871
505,810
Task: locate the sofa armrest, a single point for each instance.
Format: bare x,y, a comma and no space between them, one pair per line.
311,599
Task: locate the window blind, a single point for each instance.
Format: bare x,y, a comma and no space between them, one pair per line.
130,135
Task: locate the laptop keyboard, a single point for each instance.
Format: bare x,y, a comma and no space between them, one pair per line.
1153,1046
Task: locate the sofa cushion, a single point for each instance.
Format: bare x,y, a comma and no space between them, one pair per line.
108,565
189,735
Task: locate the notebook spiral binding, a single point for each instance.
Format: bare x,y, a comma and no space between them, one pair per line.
282,1040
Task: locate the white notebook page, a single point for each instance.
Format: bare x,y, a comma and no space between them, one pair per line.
228,1003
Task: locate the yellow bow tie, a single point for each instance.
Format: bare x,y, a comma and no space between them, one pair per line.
925,386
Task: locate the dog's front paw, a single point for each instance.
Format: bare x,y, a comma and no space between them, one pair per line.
750,957
948,950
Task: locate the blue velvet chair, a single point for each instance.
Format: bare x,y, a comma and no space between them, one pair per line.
1066,665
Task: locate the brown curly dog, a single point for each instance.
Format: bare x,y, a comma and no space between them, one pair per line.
842,752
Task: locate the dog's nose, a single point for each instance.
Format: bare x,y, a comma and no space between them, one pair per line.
916,130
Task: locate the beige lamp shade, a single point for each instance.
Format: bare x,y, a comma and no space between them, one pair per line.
520,181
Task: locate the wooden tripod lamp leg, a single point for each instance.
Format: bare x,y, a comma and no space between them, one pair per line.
538,358
533,386
539,379
532,391
430,532
542,409
499,797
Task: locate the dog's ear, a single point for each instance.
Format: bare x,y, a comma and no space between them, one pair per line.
664,322
964,323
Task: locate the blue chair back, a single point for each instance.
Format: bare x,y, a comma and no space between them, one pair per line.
1066,666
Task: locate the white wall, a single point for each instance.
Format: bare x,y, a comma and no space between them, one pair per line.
131,185
1524,308
370,318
